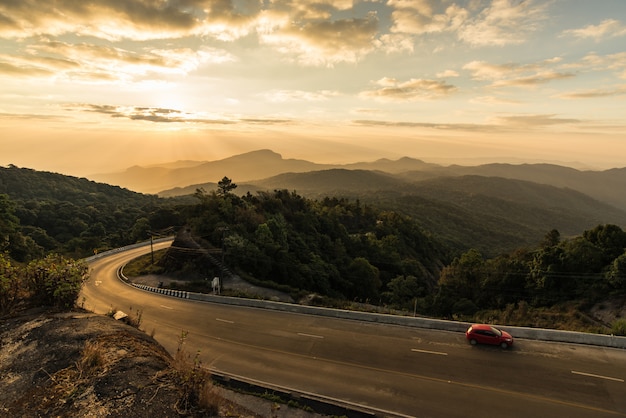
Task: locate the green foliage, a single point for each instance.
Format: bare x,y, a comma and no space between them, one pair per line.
44,212
55,281
10,285
559,271
332,247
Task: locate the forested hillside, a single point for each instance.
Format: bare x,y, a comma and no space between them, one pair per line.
44,212
399,249
333,246
492,214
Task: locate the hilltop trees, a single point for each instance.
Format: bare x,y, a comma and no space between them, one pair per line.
45,212
585,268
333,247
225,186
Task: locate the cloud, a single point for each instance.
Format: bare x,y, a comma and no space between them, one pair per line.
532,80
466,127
492,100
325,42
504,22
418,17
106,19
516,75
595,93
280,96
532,121
89,62
391,89
480,23
497,124
608,28
447,74
595,62
165,115
310,32
20,69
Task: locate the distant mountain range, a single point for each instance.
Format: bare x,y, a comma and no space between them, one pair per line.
246,167
266,169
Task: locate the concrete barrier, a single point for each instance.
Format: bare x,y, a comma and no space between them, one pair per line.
418,322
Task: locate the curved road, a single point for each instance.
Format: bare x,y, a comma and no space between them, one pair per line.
396,371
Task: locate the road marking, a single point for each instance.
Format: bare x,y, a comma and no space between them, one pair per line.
166,307
614,379
98,282
439,353
224,320
310,335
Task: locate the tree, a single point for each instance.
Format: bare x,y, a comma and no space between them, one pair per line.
551,239
404,289
10,285
9,223
365,278
225,186
616,275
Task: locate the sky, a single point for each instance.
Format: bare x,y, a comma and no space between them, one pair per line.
96,86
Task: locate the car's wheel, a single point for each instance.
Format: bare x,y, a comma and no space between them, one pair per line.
504,345
473,342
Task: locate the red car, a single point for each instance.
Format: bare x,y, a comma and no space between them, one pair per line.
488,334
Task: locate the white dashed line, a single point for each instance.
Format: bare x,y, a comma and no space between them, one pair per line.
597,376
224,320
310,335
439,353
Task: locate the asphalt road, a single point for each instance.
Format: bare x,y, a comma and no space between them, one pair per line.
397,371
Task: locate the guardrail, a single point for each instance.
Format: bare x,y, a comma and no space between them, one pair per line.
406,321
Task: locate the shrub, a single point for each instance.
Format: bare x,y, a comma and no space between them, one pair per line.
619,327
55,280
10,285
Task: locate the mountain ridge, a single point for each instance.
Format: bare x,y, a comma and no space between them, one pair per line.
259,166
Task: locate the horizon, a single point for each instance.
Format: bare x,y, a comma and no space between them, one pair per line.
471,162
94,88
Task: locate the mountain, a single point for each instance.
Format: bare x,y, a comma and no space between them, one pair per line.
183,177
493,214
605,186
241,168
337,181
250,166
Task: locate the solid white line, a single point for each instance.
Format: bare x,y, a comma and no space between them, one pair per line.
615,379
224,320
166,307
310,335
439,353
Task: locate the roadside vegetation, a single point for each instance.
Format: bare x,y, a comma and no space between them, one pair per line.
53,281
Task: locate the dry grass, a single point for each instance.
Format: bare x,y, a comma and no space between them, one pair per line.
198,389
92,359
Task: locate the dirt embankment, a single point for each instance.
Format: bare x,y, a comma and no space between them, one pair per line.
80,364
